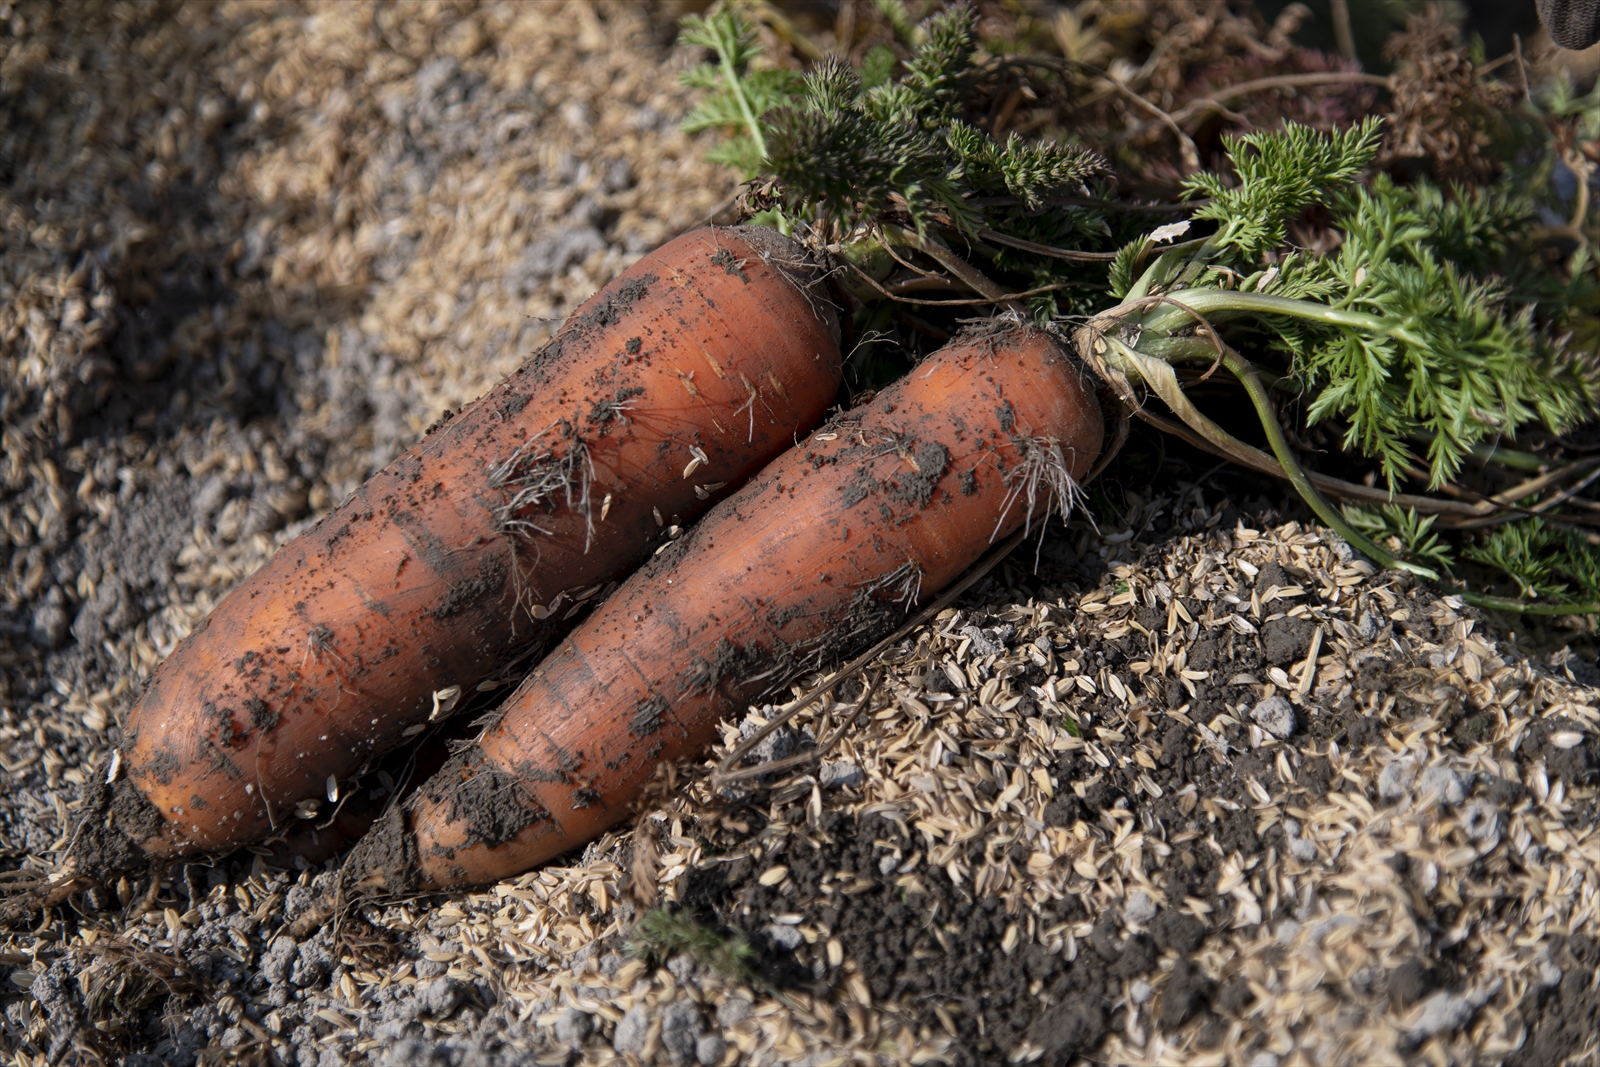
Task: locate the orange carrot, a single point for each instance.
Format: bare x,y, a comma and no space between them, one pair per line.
823,551
666,390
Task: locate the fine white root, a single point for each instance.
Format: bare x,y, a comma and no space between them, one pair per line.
905,580
1043,479
531,479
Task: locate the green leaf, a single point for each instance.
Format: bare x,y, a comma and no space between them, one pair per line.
877,67
1411,537
1279,175
1124,266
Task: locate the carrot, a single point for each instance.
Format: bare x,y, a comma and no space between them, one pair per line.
826,549
666,390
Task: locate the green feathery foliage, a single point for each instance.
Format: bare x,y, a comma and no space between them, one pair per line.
849,146
1546,563
1411,536
1280,174
1387,335
737,96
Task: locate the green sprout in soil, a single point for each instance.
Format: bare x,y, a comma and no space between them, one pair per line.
664,933
1436,342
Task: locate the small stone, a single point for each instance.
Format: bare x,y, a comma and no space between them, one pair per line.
279,960
296,900
733,1010
1395,779
1443,783
787,937
680,1031
981,645
840,774
1301,849
574,1025
710,1050
1140,909
779,744
439,997
1141,991
1275,715
1444,1011
682,967
631,1031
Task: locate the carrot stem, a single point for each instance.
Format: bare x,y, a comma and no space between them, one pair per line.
1246,373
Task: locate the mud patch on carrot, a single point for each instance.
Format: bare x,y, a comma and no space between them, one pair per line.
614,409
730,265
490,579
615,305
384,859
647,715
495,806
930,461
728,660
786,256
262,717
163,766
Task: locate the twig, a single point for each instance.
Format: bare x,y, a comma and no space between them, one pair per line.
1282,81
935,282
1090,201
1538,509
1001,298
1191,153
974,278
823,748
1045,250
1340,12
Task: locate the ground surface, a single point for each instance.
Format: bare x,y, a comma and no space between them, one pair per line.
1205,789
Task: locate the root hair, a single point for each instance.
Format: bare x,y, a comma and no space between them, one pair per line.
1042,477
529,479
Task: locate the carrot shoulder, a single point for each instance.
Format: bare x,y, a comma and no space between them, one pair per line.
666,390
826,549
